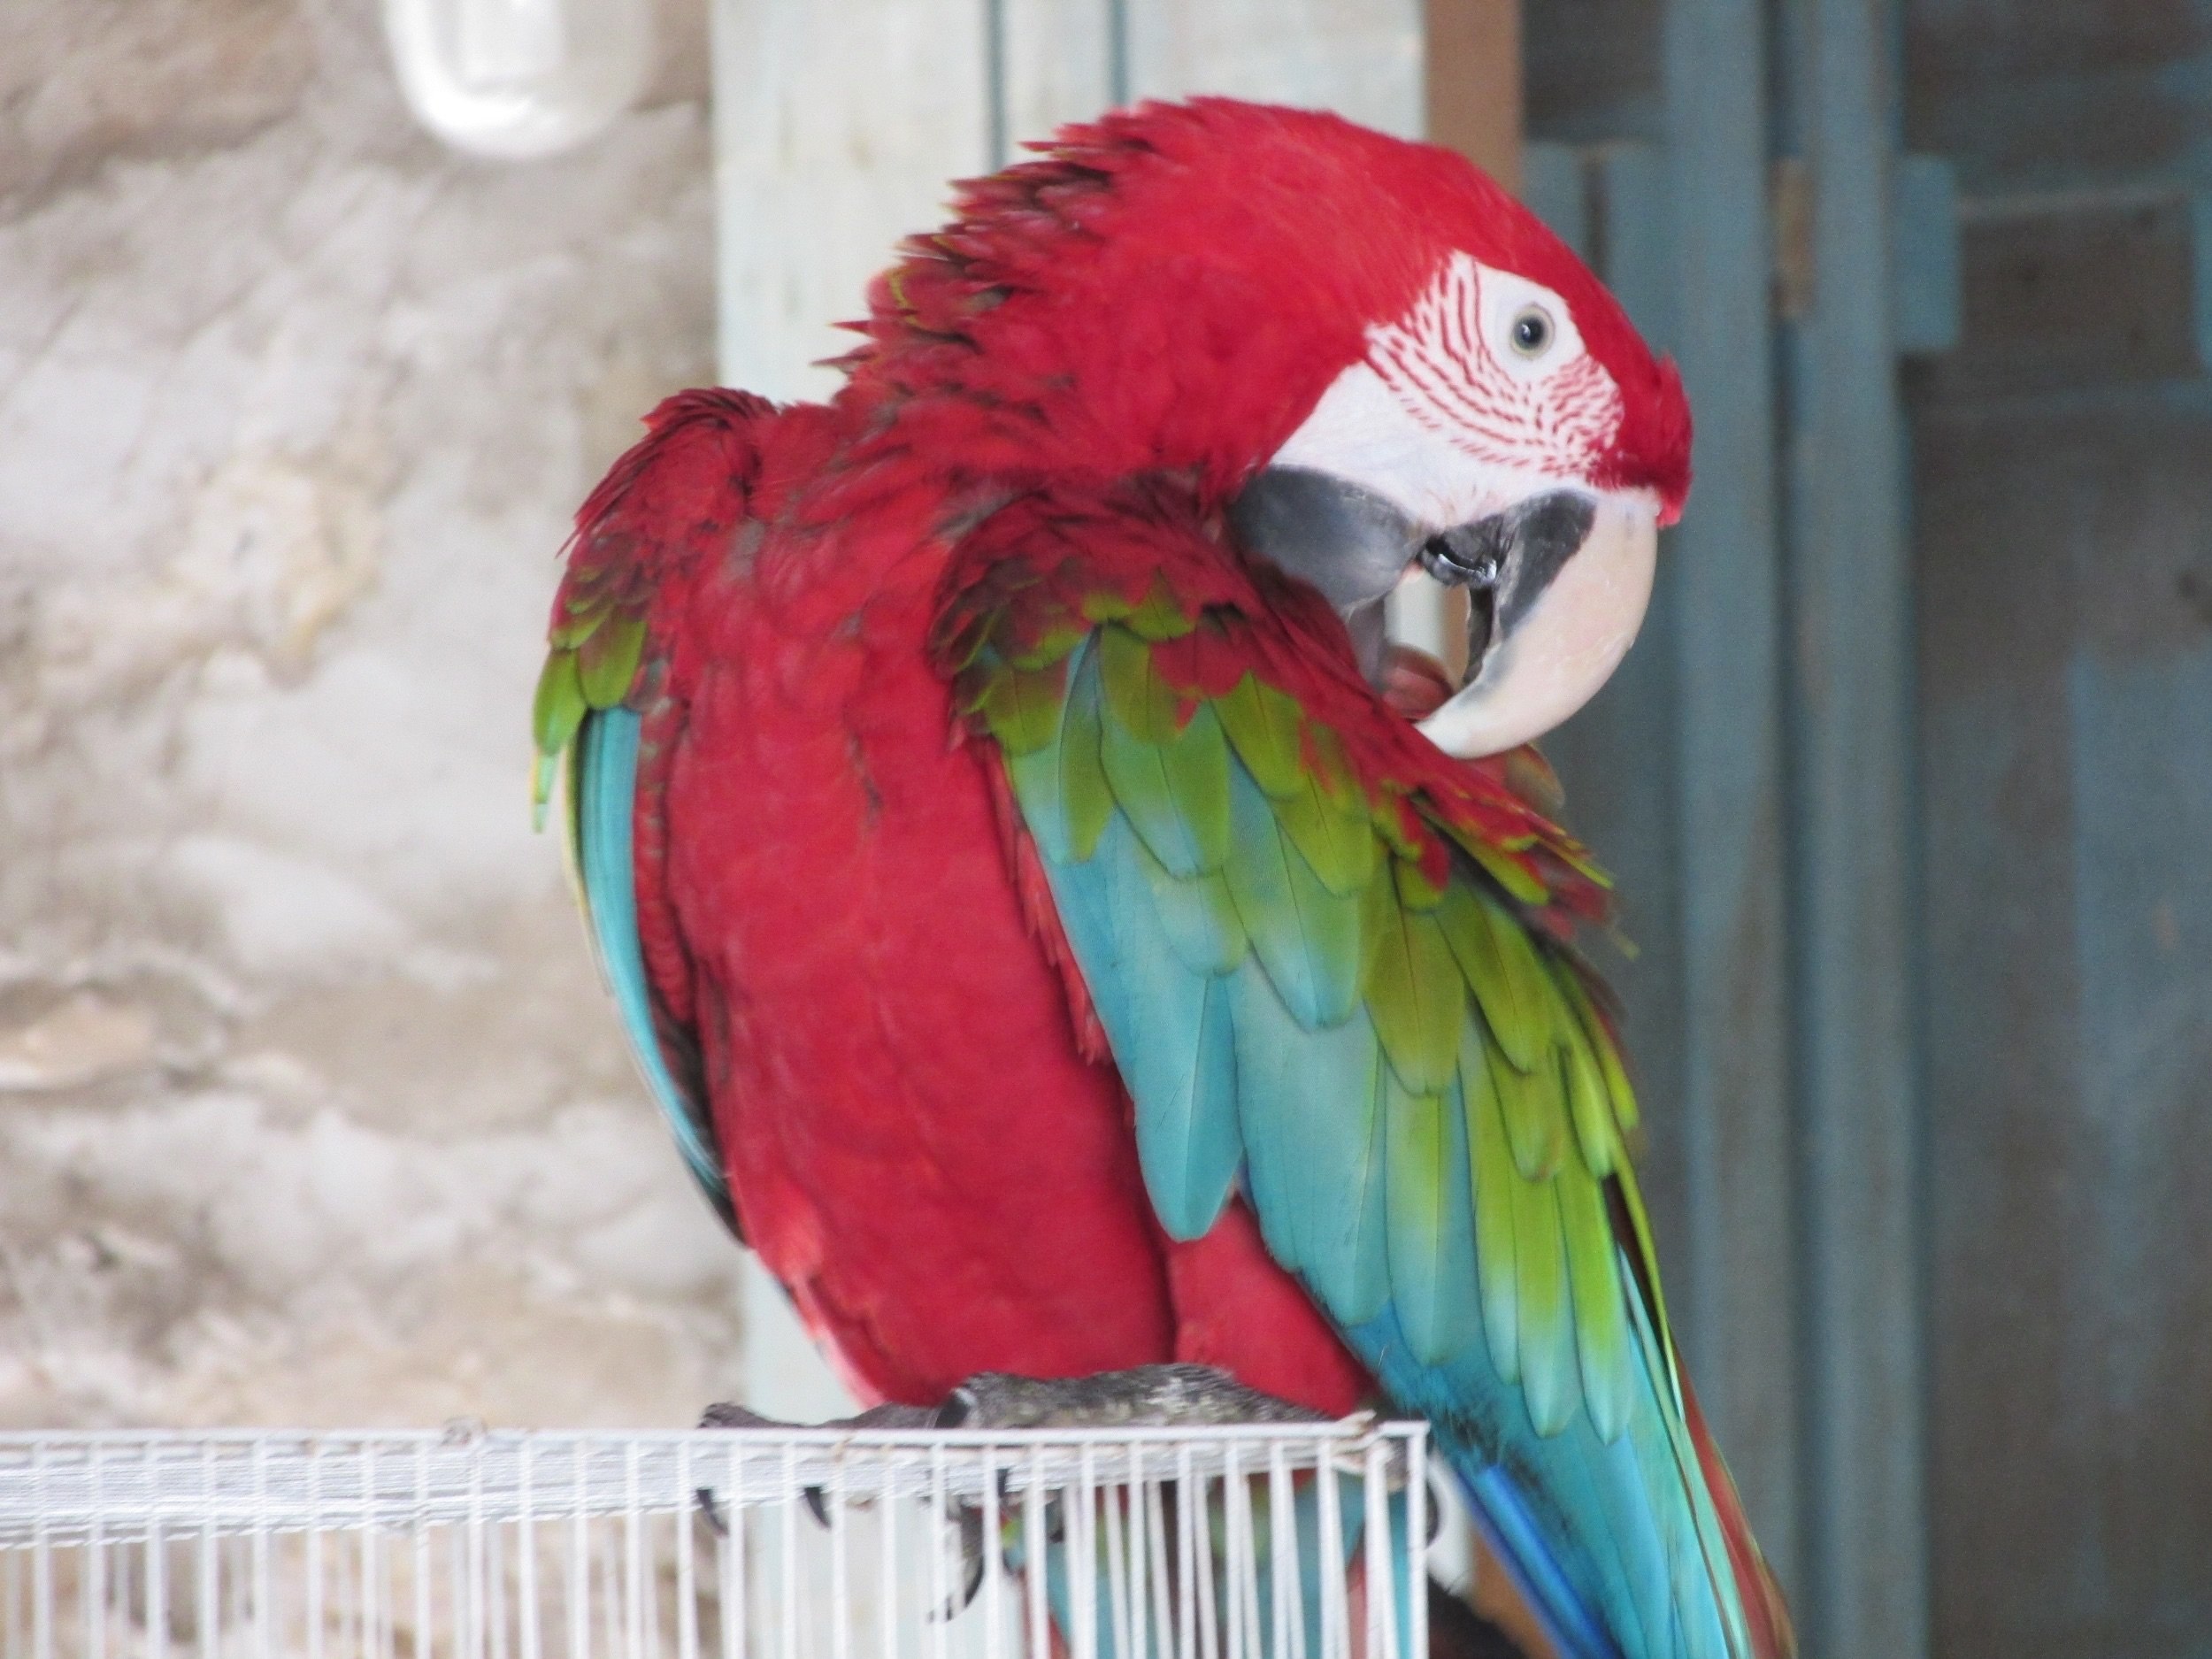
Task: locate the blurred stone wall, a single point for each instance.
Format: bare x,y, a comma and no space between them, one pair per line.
310,1111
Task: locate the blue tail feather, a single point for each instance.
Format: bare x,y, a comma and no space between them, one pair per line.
603,801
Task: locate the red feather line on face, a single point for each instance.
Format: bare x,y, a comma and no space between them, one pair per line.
1444,373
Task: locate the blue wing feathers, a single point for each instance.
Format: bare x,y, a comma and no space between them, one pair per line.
1431,1225
1168,1027
1291,918
604,786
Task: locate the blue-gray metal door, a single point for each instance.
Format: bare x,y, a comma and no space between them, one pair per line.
1909,785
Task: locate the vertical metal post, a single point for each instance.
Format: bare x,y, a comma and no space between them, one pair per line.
157,1571
578,1559
730,1558
1865,1591
422,1647
633,1580
1738,1312
374,1625
94,1572
1036,1547
687,1567
526,1557
997,142
314,1551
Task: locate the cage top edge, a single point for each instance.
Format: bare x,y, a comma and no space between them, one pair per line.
1346,1431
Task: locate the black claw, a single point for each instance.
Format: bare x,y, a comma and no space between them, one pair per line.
977,1565
959,1407
708,1508
972,1563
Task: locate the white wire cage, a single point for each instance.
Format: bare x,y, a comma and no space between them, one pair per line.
727,1543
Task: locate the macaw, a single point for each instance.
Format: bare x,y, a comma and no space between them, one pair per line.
1054,950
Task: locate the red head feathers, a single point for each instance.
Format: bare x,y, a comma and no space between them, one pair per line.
1177,286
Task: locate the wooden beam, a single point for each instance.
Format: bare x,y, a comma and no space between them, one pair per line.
1474,82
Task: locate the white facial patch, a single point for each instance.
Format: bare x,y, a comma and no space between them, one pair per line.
1451,416
1480,399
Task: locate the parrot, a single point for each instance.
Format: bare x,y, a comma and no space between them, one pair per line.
1063,933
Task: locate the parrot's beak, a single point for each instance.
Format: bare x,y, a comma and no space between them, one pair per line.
1558,587
1558,583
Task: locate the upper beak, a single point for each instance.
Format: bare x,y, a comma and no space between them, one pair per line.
1558,587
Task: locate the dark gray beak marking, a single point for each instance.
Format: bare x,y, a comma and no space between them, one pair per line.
1354,546
1507,561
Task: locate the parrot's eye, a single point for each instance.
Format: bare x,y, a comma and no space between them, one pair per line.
1533,331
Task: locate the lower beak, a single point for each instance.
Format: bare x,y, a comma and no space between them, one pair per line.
1560,586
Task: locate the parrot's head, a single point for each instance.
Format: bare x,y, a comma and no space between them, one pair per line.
1370,357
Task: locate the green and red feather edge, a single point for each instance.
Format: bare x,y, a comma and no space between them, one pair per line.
1044,574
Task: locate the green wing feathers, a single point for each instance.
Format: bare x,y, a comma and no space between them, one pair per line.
666,508
1338,925
594,649
1333,968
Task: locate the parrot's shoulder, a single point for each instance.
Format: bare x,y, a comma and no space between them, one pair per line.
1184,629
673,499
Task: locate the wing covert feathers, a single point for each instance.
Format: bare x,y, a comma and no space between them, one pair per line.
675,496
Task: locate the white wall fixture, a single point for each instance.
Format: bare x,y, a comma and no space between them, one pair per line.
515,78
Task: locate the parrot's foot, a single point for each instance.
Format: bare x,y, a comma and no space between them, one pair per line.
723,1415
1144,1396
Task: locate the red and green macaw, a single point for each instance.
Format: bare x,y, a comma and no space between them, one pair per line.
1054,950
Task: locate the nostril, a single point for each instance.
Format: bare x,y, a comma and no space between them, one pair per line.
1462,557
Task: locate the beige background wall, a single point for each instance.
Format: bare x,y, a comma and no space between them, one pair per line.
310,1109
